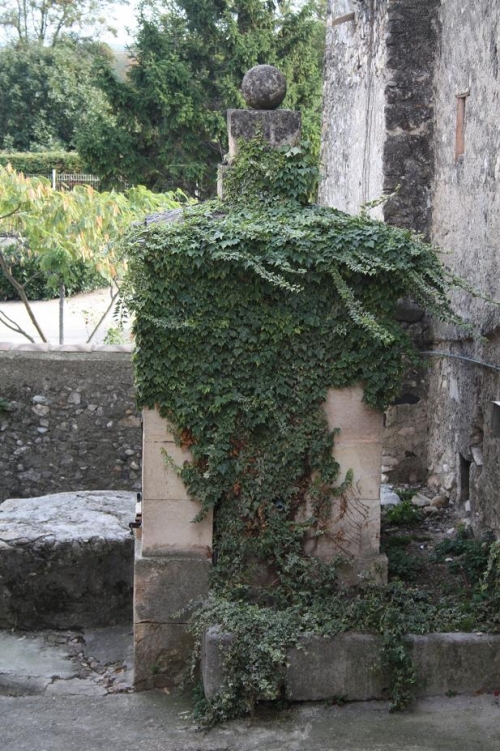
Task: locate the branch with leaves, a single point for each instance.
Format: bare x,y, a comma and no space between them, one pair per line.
46,22
58,228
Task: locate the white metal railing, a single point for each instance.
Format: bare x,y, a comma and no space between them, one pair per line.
68,180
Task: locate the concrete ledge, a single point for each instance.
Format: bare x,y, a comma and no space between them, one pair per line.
348,665
47,347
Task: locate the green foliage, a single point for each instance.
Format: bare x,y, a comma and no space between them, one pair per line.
404,514
490,585
271,174
5,405
255,657
47,95
401,564
43,162
57,233
58,228
26,269
115,335
406,494
168,125
470,557
246,312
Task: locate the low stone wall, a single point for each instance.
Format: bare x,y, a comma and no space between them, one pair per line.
70,421
348,665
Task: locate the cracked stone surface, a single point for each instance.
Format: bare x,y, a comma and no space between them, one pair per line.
93,663
66,517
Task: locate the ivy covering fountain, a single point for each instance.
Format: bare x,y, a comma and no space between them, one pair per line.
247,311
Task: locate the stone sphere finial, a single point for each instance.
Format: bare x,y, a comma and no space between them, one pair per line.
263,87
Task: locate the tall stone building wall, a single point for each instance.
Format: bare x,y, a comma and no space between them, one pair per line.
464,453
353,107
438,141
378,128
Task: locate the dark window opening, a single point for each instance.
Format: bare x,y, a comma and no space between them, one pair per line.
495,419
460,132
464,479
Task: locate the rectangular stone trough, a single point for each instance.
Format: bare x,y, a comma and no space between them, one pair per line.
348,665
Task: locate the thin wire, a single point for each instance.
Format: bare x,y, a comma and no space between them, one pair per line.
462,357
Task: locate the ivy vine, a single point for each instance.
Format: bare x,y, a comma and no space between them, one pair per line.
246,312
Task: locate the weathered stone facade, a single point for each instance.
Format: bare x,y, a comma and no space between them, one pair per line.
378,131
71,422
412,99
378,108
464,453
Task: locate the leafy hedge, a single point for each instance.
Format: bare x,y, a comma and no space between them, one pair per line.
42,163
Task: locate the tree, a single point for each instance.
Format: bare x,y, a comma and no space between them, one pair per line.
188,63
46,22
59,227
45,94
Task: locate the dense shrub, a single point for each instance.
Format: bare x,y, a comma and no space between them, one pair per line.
42,163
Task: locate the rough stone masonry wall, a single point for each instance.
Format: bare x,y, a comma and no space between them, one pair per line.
72,422
464,453
378,138
408,161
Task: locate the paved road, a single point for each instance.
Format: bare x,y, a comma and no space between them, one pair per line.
81,314
76,696
154,721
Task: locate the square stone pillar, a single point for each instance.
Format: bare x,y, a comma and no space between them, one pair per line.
172,560
277,127
167,509
354,526
173,557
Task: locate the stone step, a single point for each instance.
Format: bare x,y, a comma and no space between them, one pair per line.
66,560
